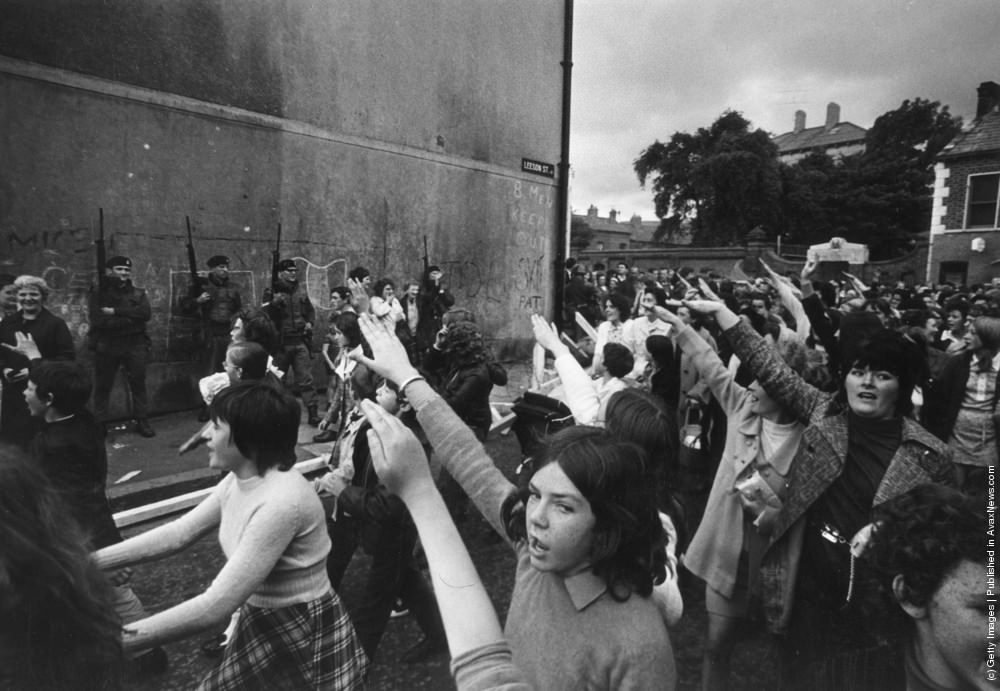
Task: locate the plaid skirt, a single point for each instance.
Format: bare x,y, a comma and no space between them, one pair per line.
305,646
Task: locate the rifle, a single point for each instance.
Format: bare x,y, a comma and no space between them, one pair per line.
192,263
198,336
102,252
275,260
427,260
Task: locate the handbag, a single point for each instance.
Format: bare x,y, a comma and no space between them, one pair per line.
537,417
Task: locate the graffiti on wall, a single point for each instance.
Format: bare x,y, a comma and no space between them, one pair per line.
529,209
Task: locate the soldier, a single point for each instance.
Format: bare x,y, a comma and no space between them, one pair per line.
219,302
118,315
294,315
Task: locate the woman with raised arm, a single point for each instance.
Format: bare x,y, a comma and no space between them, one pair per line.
481,658
588,542
293,631
761,440
858,450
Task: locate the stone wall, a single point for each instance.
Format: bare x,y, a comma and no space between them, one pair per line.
361,127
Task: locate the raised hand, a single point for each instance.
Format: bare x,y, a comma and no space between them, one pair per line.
390,359
397,455
809,269
707,291
359,296
724,317
666,315
547,336
25,345
705,306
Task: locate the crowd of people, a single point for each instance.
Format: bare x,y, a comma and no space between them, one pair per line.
816,452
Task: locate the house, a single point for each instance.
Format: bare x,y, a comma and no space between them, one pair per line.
612,234
835,138
965,220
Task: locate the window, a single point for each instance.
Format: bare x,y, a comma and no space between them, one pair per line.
953,272
984,198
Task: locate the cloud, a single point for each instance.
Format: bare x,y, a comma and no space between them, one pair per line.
644,70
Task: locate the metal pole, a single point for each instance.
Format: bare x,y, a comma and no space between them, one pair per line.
562,214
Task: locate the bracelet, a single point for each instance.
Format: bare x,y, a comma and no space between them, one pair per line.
415,377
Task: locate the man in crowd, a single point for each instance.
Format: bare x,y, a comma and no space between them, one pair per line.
218,303
294,315
118,315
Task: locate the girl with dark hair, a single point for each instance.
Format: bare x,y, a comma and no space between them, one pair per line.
614,329
58,628
257,326
457,365
293,631
961,407
384,303
859,449
349,382
928,554
952,339
588,540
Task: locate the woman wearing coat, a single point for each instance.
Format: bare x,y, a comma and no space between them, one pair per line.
858,450
762,438
961,406
31,334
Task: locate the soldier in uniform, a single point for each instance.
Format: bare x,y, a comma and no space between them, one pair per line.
218,303
118,315
293,313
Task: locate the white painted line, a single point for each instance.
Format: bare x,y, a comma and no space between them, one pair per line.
127,476
172,505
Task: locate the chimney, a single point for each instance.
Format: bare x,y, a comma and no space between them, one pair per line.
592,212
800,121
832,116
989,98
613,216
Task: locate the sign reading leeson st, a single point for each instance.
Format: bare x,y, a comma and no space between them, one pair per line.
538,168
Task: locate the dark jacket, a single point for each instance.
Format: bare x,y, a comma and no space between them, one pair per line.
49,332
54,341
132,311
820,460
72,455
943,399
434,301
466,389
366,499
225,303
291,309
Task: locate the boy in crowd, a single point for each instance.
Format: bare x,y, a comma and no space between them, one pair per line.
70,451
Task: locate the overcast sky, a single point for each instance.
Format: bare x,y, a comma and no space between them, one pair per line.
644,69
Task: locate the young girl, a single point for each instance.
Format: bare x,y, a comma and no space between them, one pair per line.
293,631
588,542
349,382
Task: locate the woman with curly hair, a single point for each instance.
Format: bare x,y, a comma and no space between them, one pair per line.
58,628
587,538
457,364
928,551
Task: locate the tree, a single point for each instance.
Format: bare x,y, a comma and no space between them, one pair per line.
880,197
723,179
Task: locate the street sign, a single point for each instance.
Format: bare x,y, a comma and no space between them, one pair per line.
538,168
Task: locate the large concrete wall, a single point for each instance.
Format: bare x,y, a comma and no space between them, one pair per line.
360,126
